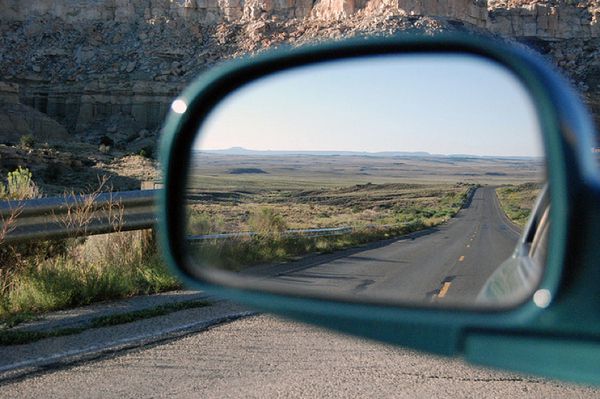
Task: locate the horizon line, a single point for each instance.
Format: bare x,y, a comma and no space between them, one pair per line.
359,152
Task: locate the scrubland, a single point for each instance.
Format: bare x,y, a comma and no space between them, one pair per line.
517,201
374,198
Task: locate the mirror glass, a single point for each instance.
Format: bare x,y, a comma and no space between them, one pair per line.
396,178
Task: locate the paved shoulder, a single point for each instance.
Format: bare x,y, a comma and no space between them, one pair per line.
87,343
262,357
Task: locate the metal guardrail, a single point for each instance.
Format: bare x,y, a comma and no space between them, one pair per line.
83,215
77,215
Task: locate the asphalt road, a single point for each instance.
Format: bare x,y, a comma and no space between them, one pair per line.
448,263
264,357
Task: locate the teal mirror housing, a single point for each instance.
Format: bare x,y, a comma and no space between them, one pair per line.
570,315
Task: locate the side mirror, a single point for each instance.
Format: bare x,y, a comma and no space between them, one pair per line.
409,190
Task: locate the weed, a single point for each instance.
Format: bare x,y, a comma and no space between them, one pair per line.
374,211
240,253
162,310
102,267
82,210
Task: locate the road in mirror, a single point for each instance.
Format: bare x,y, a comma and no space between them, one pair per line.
395,178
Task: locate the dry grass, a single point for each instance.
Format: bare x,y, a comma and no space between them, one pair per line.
45,275
357,206
293,172
83,271
374,211
517,201
240,253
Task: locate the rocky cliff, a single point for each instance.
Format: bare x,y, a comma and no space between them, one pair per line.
531,18
107,70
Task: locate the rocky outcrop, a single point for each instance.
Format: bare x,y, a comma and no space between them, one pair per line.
17,119
118,79
200,11
9,93
95,78
544,19
473,12
112,67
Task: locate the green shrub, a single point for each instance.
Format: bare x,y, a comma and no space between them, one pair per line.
27,141
147,152
239,253
266,222
200,223
19,186
517,201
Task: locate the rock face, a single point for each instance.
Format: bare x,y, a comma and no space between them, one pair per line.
470,11
201,11
111,67
546,19
18,119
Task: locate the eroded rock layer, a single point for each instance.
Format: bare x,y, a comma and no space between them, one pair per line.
110,68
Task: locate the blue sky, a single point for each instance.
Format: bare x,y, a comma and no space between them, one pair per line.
435,103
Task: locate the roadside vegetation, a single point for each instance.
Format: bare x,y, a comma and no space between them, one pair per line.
517,201
371,212
40,276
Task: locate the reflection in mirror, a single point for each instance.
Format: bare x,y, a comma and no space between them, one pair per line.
404,178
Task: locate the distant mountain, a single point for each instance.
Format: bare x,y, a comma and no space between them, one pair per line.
244,151
405,154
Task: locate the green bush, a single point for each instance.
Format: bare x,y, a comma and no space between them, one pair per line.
147,152
200,223
267,222
27,141
107,141
237,254
19,186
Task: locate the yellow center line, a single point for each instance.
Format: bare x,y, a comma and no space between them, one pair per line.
444,290
461,258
